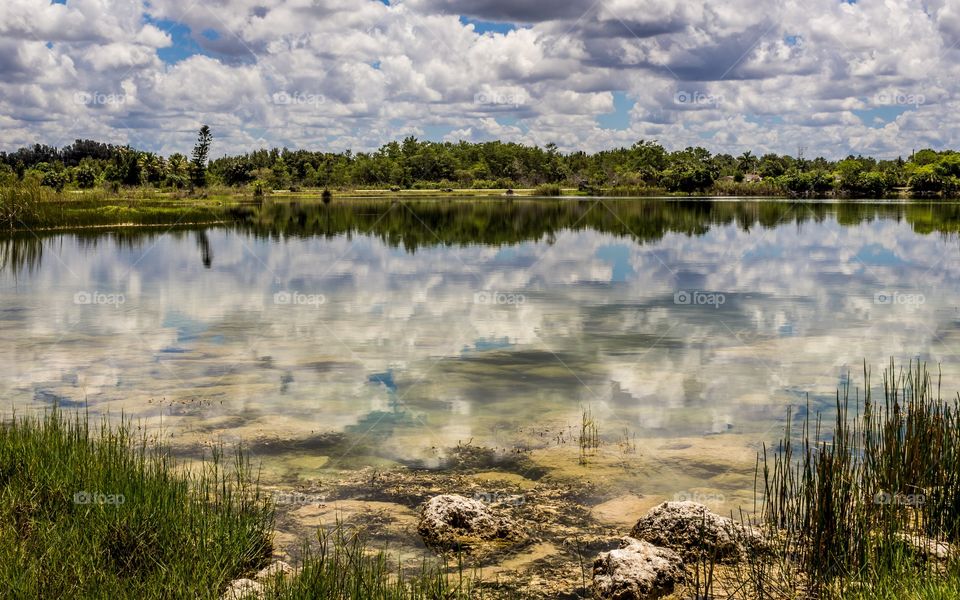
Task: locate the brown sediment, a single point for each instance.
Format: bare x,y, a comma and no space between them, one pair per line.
570,512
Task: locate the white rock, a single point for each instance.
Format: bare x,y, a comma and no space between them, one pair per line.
452,521
691,529
638,570
243,589
926,547
272,570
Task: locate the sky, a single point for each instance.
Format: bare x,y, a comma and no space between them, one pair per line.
821,77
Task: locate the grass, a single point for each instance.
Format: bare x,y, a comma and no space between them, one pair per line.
589,435
548,189
902,584
843,505
89,512
343,566
105,513
21,203
744,188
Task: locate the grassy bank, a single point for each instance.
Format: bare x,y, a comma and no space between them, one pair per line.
28,206
101,512
90,512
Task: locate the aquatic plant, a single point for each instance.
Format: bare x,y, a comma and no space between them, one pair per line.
344,566
850,506
589,435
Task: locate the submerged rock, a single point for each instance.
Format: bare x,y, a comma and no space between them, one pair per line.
451,521
691,529
638,570
925,547
243,589
274,569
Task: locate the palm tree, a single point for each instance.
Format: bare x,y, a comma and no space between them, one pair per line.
747,163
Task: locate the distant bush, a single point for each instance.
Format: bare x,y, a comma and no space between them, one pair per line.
745,188
54,179
85,177
548,189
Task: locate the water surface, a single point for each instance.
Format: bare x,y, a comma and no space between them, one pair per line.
381,333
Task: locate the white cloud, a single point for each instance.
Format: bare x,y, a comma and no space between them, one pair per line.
793,72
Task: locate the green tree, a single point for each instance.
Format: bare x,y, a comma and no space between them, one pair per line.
178,170
85,177
238,171
198,160
926,180
747,163
54,179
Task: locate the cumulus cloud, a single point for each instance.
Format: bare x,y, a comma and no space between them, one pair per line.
863,77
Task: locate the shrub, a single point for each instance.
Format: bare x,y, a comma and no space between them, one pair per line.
548,189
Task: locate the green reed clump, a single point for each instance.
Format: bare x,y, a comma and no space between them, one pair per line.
589,435
87,513
849,504
345,567
767,187
629,191
20,203
548,189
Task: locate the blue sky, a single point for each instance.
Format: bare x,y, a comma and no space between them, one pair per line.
834,76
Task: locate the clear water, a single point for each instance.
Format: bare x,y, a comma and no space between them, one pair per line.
387,353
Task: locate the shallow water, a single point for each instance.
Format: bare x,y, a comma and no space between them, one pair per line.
385,334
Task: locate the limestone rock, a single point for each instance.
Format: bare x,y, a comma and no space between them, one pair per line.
451,521
272,570
638,570
929,549
690,529
243,589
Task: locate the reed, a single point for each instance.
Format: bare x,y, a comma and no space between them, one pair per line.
343,566
768,188
548,189
21,203
850,506
589,435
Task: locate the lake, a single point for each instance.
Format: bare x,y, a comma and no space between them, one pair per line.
382,334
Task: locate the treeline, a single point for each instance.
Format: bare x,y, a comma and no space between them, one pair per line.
414,164
428,224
